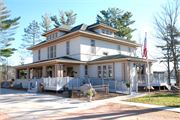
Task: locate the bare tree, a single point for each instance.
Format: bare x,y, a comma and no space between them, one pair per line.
167,33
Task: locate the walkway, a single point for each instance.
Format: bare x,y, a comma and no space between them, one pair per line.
22,105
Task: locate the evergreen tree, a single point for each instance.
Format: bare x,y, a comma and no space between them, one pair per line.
116,18
66,18
30,38
46,22
7,29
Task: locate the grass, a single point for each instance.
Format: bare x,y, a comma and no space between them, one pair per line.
164,99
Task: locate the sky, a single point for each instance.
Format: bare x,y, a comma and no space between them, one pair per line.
86,10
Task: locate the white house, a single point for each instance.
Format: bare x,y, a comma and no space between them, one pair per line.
90,50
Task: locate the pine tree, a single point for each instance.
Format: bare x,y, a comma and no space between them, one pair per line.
116,18
66,18
30,38
7,29
46,22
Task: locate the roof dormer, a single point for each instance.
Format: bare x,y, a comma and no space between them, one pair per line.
103,29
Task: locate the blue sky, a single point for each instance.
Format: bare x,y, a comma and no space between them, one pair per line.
86,11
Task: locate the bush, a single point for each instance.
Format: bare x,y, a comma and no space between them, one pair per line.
89,93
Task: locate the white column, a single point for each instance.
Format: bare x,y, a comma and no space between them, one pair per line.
44,71
61,70
28,73
57,70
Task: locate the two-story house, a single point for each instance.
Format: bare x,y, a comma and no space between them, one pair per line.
87,50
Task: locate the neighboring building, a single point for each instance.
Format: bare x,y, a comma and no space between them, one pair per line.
91,51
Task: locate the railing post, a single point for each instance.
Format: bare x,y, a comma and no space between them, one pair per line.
102,81
77,81
48,81
68,85
115,82
29,85
136,87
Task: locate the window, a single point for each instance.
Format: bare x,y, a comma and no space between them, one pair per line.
39,54
110,33
51,51
99,71
47,38
104,71
129,49
105,53
118,48
54,50
67,47
86,70
56,34
50,37
110,71
107,32
48,52
103,31
93,49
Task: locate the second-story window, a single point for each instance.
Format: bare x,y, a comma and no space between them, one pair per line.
50,37
86,70
51,51
67,48
129,50
39,54
118,48
56,34
93,49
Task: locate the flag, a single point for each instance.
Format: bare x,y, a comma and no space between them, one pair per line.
145,48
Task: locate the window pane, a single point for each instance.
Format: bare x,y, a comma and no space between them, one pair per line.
56,34
67,51
110,33
99,67
51,52
86,73
110,73
50,37
48,52
53,36
67,44
54,50
51,56
104,67
107,32
99,74
92,43
85,67
109,66
103,31
118,47
104,74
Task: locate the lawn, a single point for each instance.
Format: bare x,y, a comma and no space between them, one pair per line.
164,99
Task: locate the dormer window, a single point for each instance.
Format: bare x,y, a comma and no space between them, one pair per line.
50,37
103,31
53,36
107,32
110,33
56,34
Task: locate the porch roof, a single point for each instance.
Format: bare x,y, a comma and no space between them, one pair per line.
59,60
120,57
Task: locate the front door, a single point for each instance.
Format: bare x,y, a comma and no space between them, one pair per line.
69,69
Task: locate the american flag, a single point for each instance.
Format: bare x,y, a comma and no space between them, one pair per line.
145,48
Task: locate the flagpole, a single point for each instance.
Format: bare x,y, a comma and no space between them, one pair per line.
148,67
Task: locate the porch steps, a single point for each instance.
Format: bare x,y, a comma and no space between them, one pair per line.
33,90
168,86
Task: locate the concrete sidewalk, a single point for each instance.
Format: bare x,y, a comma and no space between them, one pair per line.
22,105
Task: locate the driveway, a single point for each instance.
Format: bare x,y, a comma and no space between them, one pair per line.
22,105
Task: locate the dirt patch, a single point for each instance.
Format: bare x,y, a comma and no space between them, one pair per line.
118,111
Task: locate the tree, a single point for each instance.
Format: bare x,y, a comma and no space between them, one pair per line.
116,18
31,37
167,33
46,22
66,18
7,29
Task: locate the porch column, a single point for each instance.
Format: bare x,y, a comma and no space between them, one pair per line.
16,74
61,70
140,69
57,70
44,71
28,73
150,68
145,69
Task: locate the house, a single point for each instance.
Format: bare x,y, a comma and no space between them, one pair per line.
85,51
